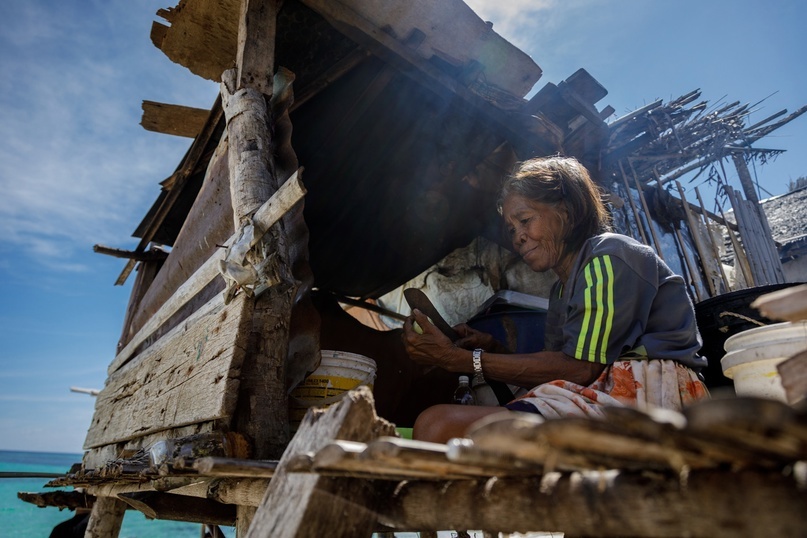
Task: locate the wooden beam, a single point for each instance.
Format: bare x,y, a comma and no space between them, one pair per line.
155,505
699,505
151,255
60,499
175,120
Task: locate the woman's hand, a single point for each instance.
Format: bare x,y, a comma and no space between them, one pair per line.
430,347
473,339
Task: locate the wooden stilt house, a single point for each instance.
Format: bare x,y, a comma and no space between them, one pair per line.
354,144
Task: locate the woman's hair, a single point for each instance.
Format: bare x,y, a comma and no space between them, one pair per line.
561,182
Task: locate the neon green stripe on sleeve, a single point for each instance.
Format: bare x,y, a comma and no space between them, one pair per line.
609,320
594,353
581,339
598,310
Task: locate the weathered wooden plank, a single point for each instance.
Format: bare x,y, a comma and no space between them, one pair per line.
309,505
177,120
189,376
202,36
389,459
453,33
608,504
208,225
579,443
213,466
291,192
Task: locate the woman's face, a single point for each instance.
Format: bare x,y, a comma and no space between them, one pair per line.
536,230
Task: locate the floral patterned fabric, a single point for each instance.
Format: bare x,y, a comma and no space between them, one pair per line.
643,384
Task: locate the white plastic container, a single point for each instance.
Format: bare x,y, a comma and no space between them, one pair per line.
751,358
338,372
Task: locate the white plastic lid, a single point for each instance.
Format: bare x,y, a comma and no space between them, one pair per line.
464,379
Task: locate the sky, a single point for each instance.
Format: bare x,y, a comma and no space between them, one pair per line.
76,168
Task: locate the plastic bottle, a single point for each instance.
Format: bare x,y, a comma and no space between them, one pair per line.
463,394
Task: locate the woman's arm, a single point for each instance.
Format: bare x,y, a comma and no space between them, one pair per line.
527,370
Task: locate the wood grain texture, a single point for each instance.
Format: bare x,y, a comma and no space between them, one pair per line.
188,376
309,505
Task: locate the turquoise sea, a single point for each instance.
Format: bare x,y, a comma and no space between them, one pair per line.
24,520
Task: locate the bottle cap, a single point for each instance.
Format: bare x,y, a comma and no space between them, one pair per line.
464,379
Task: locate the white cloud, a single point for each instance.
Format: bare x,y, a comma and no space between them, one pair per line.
76,168
515,20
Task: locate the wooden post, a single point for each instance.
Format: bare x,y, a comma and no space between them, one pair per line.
300,504
283,343
106,518
262,414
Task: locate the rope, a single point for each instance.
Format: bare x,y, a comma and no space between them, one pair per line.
746,318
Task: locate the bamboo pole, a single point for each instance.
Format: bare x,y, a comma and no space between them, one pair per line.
633,205
693,230
647,212
689,263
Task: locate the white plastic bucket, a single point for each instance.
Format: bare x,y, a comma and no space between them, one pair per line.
751,358
338,372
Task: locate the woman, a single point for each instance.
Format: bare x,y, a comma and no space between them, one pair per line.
620,328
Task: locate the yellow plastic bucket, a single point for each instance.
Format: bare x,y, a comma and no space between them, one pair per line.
338,372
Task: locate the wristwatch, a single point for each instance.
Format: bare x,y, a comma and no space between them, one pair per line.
477,355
